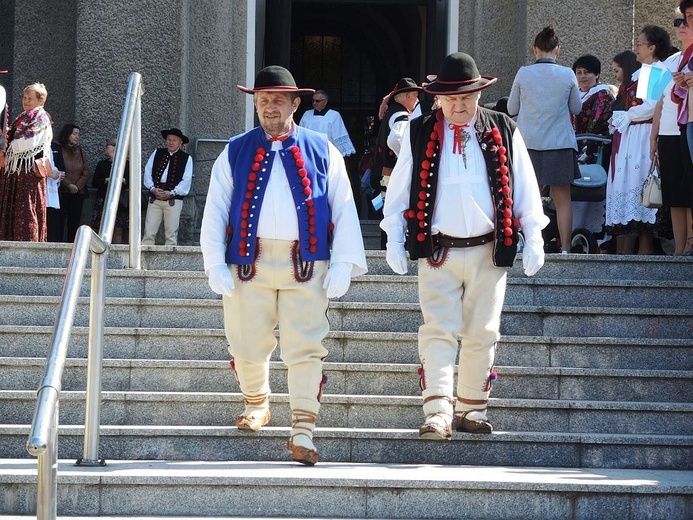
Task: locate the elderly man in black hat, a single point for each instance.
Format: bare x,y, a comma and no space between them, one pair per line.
462,188
394,113
280,235
168,177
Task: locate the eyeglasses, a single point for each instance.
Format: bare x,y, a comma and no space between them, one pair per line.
678,22
638,44
319,100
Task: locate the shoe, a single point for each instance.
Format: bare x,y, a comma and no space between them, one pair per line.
302,454
244,422
462,424
435,432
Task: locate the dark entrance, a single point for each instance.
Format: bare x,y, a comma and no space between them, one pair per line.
356,50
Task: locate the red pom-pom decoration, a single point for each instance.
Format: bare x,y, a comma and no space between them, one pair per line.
429,153
424,174
503,169
421,215
422,195
424,183
421,205
261,151
294,149
508,202
255,167
508,241
307,192
426,165
434,136
313,240
248,195
309,203
421,237
259,158
302,172
300,163
305,181
508,232
507,213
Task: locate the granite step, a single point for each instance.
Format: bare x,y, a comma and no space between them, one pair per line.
189,258
342,490
360,411
382,446
526,320
124,375
362,347
122,283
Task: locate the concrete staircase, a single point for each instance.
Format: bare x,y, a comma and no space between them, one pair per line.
592,406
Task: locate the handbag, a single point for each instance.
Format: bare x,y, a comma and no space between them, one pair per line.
42,167
651,195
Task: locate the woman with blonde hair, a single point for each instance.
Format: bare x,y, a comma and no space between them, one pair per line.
22,182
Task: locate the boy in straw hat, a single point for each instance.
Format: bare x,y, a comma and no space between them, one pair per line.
280,235
461,189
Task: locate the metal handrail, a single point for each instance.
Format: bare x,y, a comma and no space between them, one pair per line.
43,437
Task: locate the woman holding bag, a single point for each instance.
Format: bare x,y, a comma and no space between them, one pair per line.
22,180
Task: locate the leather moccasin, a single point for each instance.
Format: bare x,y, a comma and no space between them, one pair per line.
435,432
462,424
302,454
244,422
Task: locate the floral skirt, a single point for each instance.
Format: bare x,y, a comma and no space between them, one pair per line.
122,217
22,207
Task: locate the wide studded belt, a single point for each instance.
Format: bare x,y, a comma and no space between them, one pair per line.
442,240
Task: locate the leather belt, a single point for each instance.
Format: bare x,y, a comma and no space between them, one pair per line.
447,241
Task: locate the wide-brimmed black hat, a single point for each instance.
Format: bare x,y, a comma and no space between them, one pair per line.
176,132
459,75
275,79
405,85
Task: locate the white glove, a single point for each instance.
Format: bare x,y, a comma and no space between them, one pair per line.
396,257
338,279
220,279
533,254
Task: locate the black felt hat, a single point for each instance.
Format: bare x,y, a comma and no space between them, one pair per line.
275,79
176,132
459,75
405,85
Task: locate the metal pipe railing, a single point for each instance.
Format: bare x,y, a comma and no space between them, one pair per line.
43,436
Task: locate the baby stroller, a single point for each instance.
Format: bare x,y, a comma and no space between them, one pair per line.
588,194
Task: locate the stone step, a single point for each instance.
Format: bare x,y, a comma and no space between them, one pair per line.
362,347
527,320
378,379
360,411
341,490
382,446
122,283
189,258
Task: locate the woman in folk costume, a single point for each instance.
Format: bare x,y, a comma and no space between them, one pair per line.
626,218
596,100
280,235
22,190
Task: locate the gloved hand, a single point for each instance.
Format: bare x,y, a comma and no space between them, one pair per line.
396,257
533,254
220,279
618,120
338,279
623,124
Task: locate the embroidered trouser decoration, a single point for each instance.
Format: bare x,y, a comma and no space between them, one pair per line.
303,271
247,272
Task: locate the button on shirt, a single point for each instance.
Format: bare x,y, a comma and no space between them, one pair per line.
464,207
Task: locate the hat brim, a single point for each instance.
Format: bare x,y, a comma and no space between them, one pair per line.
438,88
405,89
276,89
166,133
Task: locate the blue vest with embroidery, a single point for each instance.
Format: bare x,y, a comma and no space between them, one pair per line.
305,157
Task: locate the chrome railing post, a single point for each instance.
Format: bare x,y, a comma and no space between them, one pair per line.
135,184
47,499
94,362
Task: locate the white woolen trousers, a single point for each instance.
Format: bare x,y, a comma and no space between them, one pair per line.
156,212
461,298
274,297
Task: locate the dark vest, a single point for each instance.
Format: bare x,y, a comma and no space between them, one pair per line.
176,169
494,132
305,157
384,156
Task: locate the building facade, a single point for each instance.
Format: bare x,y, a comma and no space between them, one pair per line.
191,54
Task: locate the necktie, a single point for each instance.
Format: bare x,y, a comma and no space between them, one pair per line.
280,138
461,138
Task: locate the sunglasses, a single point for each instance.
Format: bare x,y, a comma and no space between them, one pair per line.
318,100
678,22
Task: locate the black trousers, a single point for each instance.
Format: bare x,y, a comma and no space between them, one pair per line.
70,212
